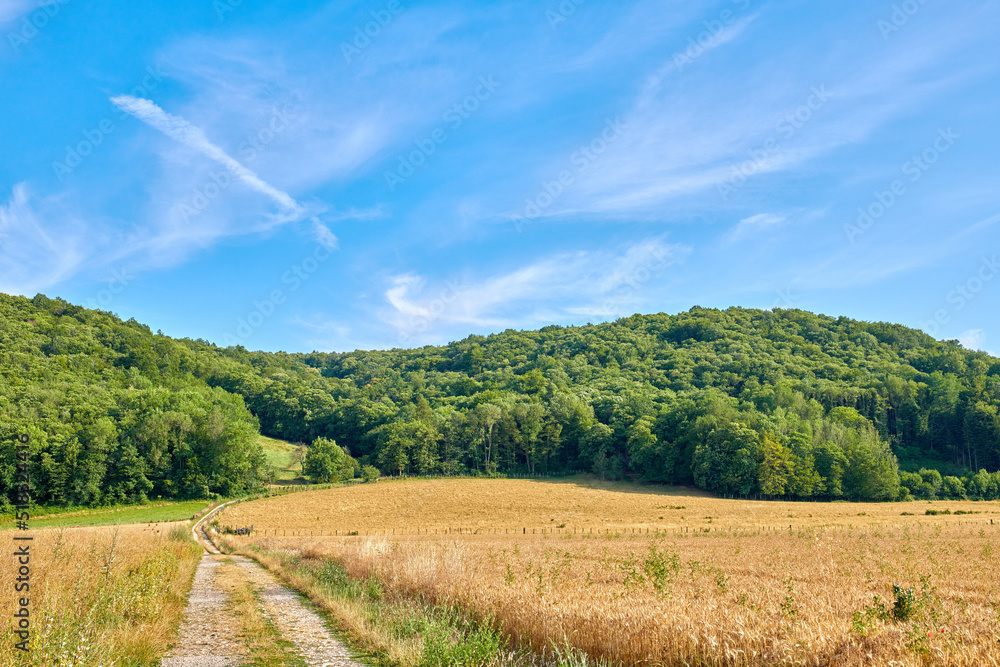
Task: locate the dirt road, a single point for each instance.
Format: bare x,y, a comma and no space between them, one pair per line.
218,632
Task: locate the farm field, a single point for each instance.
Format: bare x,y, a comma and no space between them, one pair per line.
739,588
101,595
563,505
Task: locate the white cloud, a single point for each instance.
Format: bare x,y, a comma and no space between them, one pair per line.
598,285
690,134
182,131
324,236
753,225
973,339
34,254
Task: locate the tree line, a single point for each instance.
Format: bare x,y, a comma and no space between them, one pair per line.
739,402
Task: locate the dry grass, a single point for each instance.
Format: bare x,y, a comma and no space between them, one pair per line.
743,596
390,629
100,596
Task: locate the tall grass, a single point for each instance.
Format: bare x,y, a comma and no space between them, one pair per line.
898,596
109,596
391,629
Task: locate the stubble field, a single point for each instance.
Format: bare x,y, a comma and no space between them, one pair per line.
714,581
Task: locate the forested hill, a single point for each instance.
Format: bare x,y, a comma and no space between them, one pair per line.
782,403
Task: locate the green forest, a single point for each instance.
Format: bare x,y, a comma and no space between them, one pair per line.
740,402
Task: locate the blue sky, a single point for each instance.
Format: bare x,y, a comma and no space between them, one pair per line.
335,175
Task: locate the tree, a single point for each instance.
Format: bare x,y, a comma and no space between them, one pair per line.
727,461
805,480
831,462
529,423
595,445
872,472
952,488
642,447
327,462
487,416
298,455
776,467
735,401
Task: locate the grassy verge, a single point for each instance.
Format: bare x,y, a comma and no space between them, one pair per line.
396,631
111,597
152,513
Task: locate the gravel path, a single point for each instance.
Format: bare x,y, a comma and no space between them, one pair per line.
208,632
297,623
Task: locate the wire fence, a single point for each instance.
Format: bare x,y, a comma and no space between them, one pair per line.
570,532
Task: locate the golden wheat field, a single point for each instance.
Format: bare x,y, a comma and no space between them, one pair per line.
499,504
738,588
100,596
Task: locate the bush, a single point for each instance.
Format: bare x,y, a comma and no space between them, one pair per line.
370,474
953,488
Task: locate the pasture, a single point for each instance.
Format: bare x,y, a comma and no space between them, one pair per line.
154,512
281,459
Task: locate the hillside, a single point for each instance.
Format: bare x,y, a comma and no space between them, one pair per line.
115,413
738,402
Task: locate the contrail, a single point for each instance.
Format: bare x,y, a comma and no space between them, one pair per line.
180,130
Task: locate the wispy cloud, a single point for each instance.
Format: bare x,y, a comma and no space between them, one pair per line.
755,224
592,284
973,339
324,236
11,10
854,266
33,258
689,135
180,130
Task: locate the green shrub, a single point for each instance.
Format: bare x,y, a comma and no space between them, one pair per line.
905,605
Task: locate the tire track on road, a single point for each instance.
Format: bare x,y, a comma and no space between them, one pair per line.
209,632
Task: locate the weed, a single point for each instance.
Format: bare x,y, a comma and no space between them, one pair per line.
661,567
569,656
788,606
863,621
722,581
905,603
180,534
453,642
